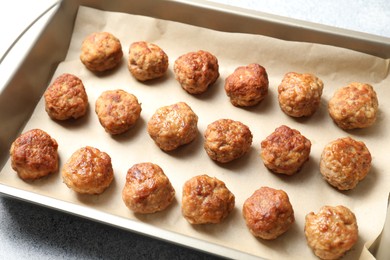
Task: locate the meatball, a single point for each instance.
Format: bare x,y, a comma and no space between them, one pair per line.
227,140
331,232
101,51
196,71
88,171
147,189
206,200
268,213
354,106
34,155
147,61
173,126
66,98
285,150
344,162
247,85
300,94
117,111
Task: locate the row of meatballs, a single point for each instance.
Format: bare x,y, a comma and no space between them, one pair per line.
344,162
268,212
299,95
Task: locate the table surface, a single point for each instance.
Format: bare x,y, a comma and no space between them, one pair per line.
32,232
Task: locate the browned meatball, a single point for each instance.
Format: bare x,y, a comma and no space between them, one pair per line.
206,200
101,51
300,94
147,61
268,213
147,189
344,162
226,140
354,106
117,110
34,155
247,85
88,171
285,150
331,232
66,98
173,126
196,71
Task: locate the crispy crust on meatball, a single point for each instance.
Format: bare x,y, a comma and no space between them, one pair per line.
173,126
300,94
196,71
117,111
285,150
147,189
147,61
88,171
331,232
268,213
247,85
344,162
34,155
101,51
227,140
354,106
206,200
66,98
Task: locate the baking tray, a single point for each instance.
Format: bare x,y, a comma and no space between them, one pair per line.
37,68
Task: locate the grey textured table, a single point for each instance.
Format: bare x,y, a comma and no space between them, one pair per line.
32,232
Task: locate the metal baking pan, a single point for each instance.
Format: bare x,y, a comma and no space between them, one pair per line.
37,68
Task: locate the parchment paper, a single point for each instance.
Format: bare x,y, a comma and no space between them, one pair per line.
307,190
